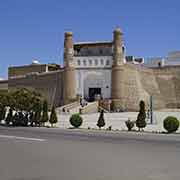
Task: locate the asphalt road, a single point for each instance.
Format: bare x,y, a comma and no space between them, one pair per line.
55,154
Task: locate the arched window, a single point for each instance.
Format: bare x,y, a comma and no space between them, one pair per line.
90,62
84,62
123,49
102,62
100,51
107,63
96,62
78,62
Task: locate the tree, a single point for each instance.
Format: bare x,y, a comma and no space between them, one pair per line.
26,119
53,117
31,118
141,118
9,117
37,114
24,100
2,113
3,99
3,104
101,121
25,103
45,117
18,119
15,120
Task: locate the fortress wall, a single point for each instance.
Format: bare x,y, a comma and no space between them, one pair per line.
150,86
168,79
129,91
3,86
138,83
48,84
23,70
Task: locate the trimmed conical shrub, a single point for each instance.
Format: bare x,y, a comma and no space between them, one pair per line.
141,118
44,117
53,118
2,113
9,117
101,121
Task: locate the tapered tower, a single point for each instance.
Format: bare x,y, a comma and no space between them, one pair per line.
118,53
69,69
117,70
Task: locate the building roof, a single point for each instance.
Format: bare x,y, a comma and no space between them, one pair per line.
94,43
3,81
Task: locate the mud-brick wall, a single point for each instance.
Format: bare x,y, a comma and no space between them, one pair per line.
126,89
48,84
3,86
168,79
138,84
163,84
23,70
150,86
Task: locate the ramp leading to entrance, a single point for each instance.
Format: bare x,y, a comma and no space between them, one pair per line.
69,108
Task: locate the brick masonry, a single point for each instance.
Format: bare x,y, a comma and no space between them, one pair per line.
48,84
129,83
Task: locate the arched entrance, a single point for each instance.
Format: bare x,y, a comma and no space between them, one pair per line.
93,85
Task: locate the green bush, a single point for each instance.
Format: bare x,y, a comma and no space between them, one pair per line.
109,128
129,124
76,120
171,124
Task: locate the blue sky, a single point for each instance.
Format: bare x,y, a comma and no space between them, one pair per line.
34,29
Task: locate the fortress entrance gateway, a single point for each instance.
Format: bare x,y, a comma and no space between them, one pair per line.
93,85
93,92
91,82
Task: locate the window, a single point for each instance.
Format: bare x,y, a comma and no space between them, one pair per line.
107,63
89,52
90,62
101,51
78,50
96,62
79,62
102,62
123,49
84,62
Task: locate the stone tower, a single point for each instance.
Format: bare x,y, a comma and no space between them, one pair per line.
117,70
69,69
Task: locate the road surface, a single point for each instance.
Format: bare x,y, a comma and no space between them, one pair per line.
56,154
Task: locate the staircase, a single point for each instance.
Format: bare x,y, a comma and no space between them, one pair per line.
69,108
92,107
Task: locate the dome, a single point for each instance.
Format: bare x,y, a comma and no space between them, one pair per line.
68,33
35,62
118,30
